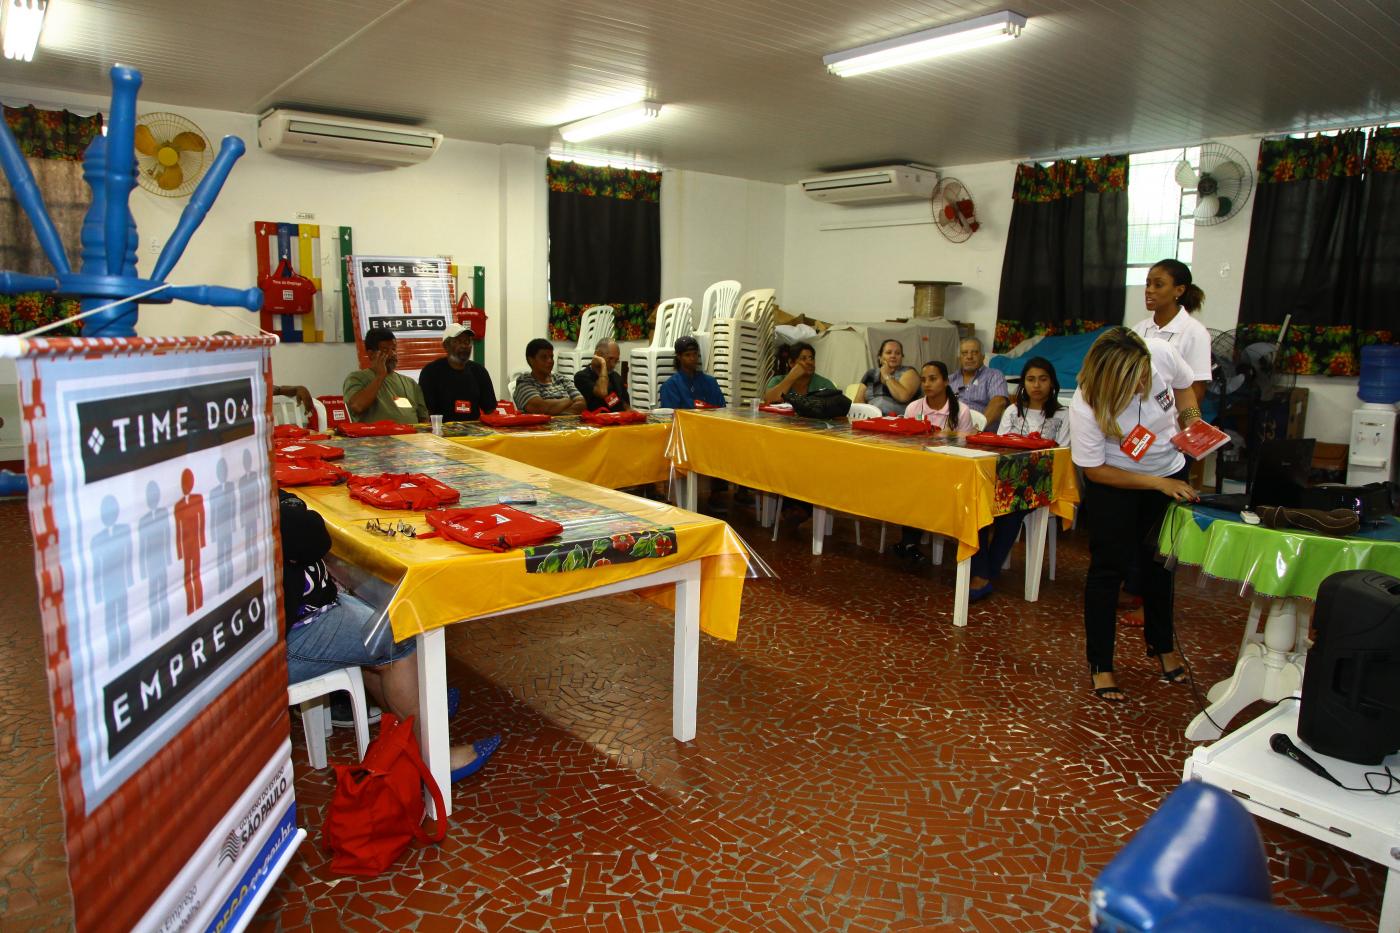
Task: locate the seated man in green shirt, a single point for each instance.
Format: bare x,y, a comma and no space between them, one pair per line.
378,393
801,376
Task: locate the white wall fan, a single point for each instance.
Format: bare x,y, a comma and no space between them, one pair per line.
1223,183
954,212
172,154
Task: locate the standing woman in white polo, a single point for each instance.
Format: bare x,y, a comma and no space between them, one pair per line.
1170,297
1122,420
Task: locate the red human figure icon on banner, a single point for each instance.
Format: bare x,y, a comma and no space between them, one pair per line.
405,296
189,539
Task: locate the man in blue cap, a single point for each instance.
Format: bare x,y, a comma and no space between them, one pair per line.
689,384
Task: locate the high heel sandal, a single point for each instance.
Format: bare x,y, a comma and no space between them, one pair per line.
1103,693
1176,675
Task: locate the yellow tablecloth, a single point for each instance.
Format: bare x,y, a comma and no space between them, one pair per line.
441,582
888,478
615,457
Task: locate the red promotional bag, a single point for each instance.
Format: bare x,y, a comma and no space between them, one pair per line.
377,809
1032,441
780,408
373,428
510,418
492,527
286,291
890,424
402,491
301,450
306,473
604,417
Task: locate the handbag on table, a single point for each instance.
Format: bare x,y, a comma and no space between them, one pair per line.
823,404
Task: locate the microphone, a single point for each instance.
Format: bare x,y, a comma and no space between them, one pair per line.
1284,746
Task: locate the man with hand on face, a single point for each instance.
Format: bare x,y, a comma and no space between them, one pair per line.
600,383
378,393
457,387
541,391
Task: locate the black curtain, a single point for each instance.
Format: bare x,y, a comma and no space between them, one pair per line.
1377,290
1066,249
604,246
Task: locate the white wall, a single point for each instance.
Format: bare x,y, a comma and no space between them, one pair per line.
713,228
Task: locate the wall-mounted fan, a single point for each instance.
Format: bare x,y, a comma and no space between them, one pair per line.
172,154
953,211
1222,183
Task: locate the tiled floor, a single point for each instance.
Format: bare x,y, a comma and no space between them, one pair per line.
860,765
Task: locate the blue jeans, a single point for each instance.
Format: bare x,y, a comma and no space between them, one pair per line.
336,639
996,541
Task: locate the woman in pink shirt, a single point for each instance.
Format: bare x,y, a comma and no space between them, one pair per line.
939,407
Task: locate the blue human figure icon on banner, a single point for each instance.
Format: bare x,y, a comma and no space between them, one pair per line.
189,540
112,577
250,499
153,543
223,520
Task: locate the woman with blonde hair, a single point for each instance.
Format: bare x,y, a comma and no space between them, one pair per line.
1122,420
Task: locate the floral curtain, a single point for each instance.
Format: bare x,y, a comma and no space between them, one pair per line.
1324,249
1066,248
604,247
53,142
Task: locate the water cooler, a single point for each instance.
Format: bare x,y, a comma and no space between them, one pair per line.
1371,458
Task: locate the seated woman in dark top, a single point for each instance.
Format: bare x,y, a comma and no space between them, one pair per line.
891,385
326,630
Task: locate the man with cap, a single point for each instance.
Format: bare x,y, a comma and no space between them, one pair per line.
378,393
689,385
600,383
456,386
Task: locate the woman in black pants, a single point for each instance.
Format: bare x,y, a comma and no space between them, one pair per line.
1132,395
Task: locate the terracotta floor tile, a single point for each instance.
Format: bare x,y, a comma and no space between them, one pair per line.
860,764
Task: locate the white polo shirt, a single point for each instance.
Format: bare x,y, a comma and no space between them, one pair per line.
1187,336
1090,447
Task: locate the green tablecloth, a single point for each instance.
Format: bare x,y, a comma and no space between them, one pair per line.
1268,562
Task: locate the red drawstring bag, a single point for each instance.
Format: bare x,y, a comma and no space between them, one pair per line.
306,473
288,432
492,527
783,409
377,808
510,418
373,428
1032,441
294,450
890,424
286,291
402,491
604,417
703,406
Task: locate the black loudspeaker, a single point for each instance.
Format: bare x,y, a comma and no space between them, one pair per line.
1350,706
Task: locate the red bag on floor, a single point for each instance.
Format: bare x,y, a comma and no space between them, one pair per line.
492,527
402,491
890,424
377,809
1032,441
300,450
604,417
373,428
306,473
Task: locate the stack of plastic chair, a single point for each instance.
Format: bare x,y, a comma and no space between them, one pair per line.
742,348
649,366
596,324
719,303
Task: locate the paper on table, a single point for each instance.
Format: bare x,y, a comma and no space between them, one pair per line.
963,451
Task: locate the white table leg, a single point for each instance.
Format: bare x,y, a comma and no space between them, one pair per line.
686,663
818,529
1036,524
432,713
1251,629
1390,902
690,491
960,592
1268,671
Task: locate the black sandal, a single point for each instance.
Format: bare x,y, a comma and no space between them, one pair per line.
1176,675
1103,693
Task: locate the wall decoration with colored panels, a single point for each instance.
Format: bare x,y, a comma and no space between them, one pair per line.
301,244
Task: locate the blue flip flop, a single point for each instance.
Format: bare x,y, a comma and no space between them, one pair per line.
484,748
454,701
979,594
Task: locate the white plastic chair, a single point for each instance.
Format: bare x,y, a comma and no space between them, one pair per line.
595,325
979,420
862,410
287,411
653,364
716,304
742,352
313,697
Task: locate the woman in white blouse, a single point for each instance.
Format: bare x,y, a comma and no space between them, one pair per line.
1122,420
1170,296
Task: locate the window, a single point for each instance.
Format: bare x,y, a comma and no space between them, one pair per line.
1160,212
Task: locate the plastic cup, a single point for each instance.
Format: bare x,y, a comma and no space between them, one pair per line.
437,424
753,405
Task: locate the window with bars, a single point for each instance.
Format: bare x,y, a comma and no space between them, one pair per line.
1160,212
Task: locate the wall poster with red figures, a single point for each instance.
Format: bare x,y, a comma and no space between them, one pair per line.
152,508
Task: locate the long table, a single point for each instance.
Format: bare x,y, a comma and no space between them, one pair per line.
954,491
612,543
617,456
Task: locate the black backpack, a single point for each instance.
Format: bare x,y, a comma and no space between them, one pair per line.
823,404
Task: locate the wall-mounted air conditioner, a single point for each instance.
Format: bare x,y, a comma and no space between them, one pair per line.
345,139
873,185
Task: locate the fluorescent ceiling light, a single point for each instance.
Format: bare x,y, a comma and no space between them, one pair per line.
925,44
610,122
603,160
21,22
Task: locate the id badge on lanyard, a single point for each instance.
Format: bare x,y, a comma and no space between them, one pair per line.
1136,444
462,407
612,400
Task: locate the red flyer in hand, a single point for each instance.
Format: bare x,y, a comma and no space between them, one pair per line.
1199,438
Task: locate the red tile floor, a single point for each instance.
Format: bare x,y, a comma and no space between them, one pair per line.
860,765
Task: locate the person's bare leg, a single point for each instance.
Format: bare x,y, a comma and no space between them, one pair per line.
397,684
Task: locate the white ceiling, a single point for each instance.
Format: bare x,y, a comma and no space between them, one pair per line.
742,81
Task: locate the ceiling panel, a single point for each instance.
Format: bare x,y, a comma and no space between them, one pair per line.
742,80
